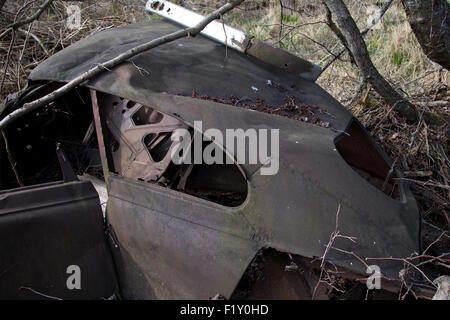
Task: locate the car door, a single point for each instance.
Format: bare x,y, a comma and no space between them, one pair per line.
53,245
173,245
178,231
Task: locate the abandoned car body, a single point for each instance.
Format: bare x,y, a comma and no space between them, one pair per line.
186,231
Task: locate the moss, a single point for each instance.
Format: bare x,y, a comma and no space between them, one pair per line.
435,116
368,103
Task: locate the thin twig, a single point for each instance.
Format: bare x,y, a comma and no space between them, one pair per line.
434,242
428,183
19,63
334,235
11,160
226,37
39,42
32,18
7,60
281,23
407,262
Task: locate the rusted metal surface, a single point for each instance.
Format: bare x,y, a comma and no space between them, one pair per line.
295,210
192,64
99,132
184,247
139,130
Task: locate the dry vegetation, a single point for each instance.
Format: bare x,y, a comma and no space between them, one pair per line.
419,150
36,41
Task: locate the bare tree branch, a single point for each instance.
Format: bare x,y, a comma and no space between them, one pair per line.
361,55
337,32
20,23
364,31
377,17
26,108
35,16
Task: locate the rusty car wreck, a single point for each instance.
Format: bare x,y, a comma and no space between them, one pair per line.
188,231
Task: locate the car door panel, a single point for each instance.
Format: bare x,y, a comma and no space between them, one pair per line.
181,246
44,230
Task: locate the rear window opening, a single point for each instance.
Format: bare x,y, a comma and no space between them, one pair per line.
139,146
360,152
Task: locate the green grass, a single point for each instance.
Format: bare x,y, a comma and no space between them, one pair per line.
397,58
286,18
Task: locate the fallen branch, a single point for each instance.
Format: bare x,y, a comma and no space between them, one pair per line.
28,107
428,183
435,104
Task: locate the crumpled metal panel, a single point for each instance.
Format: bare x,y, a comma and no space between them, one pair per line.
295,210
186,65
181,247
292,211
